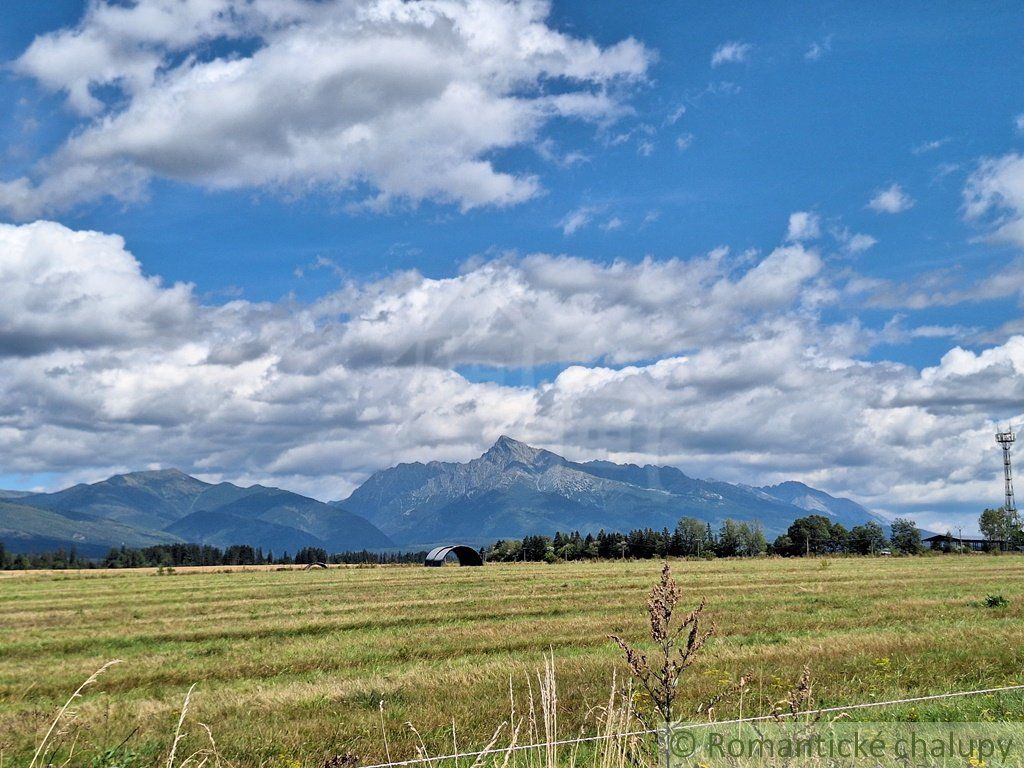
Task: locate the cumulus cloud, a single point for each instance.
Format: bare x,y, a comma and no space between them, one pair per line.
803,225
891,199
62,288
546,309
994,195
719,364
732,52
897,438
407,100
990,381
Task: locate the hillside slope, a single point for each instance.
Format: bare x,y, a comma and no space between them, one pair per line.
30,529
142,508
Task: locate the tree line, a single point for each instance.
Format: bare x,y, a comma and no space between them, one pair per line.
810,535
179,555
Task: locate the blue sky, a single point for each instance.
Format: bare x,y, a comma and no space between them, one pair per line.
717,125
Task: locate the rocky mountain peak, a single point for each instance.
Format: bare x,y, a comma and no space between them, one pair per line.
507,450
514,489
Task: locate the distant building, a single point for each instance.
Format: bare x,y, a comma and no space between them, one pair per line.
947,542
466,555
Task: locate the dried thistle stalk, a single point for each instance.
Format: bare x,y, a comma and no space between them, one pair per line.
678,644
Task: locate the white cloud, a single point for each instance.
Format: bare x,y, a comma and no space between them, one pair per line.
718,364
947,288
903,437
994,195
684,141
410,100
853,242
803,225
81,289
817,49
732,52
1018,123
891,199
544,309
576,220
570,159
612,224
859,242
929,146
676,115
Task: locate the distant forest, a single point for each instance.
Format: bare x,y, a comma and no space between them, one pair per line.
177,555
810,535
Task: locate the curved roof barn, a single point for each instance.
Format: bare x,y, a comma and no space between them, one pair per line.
466,555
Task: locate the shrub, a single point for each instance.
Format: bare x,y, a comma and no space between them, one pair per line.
996,601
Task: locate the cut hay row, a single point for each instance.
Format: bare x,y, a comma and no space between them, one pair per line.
293,665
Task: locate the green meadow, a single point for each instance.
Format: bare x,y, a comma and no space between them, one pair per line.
292,667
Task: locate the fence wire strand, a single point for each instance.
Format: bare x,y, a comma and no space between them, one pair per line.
650,731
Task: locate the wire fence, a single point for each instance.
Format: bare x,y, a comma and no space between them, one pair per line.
716,723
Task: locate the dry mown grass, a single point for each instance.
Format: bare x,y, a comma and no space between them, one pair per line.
293,665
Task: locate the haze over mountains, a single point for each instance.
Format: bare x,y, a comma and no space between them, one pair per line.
511,490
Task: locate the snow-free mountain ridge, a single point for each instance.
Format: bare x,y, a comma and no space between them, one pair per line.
165,506
514,489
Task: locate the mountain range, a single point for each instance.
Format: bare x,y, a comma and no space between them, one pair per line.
146,508
512,490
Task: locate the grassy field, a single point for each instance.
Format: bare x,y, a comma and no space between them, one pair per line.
291,666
